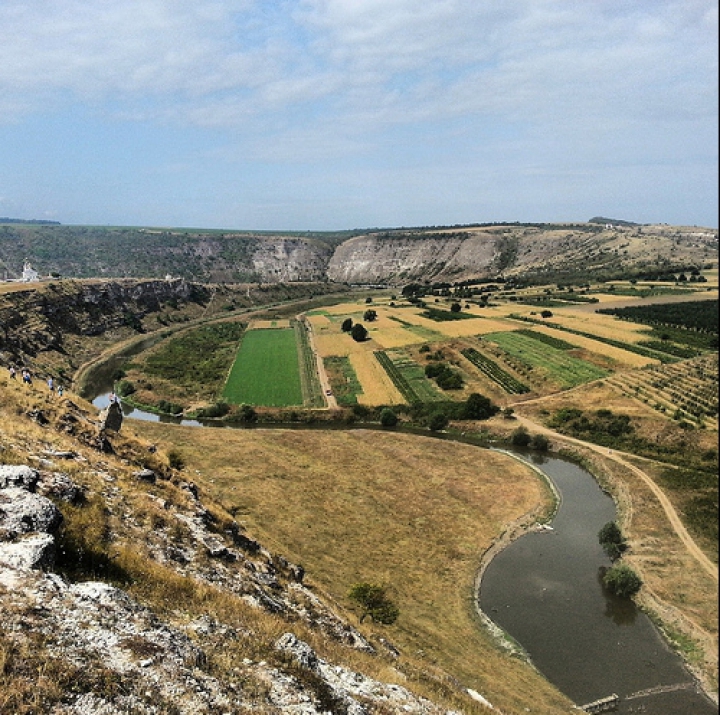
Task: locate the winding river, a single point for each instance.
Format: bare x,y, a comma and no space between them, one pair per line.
545,590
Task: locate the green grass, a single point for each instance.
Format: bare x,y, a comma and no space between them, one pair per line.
409,377
343,380
567,370
266,371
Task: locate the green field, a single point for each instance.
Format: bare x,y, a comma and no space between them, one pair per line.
567,370
266,370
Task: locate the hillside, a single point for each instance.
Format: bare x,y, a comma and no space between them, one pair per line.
527,252
128,588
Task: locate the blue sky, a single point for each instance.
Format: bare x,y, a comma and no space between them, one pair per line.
334,114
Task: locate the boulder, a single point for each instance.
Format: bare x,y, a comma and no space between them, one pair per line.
111,417
22,512
18,476
35,551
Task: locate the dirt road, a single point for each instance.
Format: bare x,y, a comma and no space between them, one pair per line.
693,549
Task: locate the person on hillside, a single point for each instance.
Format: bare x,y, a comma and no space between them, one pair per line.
61,391
26,378
51,384
13,372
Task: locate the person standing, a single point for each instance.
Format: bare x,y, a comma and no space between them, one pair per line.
51,384
13,372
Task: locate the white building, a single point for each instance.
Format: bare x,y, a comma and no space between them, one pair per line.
29,275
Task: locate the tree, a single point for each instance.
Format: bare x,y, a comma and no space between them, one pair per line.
388,418
456,307
347,325
521,437
359,332
622,581
438,421
370,315
478,407
546,314
612,540
374,602
540,442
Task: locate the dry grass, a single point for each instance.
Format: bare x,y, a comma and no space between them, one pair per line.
412,513
378,388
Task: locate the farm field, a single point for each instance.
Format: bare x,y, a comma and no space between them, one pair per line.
266,370
566,370
684,391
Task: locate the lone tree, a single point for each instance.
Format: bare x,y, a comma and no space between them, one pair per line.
347,325
455,308
370,315
388,418
612,540
622,580
374,602
359,332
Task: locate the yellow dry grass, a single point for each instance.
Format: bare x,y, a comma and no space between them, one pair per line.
604,326
409,512
264,324
378,388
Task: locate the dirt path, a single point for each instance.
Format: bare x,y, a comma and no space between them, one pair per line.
695,551
324,381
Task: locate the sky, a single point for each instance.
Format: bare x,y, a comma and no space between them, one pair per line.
341,114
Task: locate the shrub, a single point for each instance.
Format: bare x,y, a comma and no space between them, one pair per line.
438,421
612,540
374,602
388,418
622,581
175,459
521,437
540,442
125,388
478,407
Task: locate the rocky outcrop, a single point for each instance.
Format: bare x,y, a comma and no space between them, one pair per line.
128,659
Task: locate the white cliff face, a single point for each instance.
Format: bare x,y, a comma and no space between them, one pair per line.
397,259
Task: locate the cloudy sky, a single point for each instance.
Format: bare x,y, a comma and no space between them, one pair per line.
332,114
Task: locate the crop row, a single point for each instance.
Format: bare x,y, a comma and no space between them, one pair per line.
687,389
491,369
398,379
630,347
309,380
560,366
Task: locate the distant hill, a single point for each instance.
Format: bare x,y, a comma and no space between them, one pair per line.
39,221
613,221
561,252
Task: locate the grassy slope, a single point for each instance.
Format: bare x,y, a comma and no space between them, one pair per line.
405,511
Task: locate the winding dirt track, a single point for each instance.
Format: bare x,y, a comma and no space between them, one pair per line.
695,551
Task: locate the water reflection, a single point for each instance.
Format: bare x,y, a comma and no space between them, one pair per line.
622,611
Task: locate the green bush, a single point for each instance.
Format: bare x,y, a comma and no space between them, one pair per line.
124,388
438,421
521,437
388,418
374,602
612,540
622,581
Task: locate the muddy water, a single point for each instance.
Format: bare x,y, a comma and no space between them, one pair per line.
546,591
